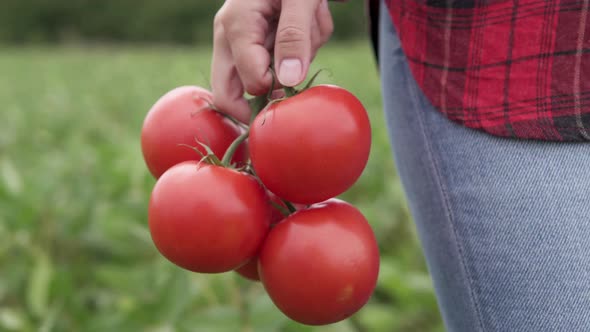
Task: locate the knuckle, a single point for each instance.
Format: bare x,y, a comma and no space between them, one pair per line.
233,30
218,20
290,34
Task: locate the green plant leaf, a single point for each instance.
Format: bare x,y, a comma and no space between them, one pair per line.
39,284
10,177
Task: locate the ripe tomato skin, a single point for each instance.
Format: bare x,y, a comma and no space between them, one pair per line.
250,269
320,265
206,218
313,146
180,117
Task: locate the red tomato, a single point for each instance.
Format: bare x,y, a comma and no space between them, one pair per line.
250,270
320,265
181,116
207,218
313,146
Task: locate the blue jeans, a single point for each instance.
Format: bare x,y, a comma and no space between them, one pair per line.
504,224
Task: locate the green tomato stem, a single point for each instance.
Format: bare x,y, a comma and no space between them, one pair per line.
231,150
257,104
290,91
312,80
285,212
229,117
289,206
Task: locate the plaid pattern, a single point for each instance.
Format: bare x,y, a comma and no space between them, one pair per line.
513,68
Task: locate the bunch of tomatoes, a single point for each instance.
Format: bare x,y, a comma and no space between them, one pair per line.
258,198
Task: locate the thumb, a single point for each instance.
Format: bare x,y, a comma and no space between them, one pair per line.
293,40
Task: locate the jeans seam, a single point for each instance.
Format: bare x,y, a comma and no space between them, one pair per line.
445,198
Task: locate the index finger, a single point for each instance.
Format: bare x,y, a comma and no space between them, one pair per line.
227,88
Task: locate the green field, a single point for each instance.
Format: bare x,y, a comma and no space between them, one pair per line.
75,251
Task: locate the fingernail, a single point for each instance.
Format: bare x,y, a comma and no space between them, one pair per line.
290,72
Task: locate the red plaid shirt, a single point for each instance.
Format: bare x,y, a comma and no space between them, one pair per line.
513,68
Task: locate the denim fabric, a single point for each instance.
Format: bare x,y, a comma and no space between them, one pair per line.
504,223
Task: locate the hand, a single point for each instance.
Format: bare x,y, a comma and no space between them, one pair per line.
247,33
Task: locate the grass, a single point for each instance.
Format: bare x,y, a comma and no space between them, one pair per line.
75,251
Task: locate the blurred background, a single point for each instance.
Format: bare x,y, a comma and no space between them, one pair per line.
76,80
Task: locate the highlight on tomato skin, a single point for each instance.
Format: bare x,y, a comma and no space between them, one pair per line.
179,119
312,146
207,218
321,264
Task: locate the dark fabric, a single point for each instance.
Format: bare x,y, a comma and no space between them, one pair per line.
373,8
517,68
